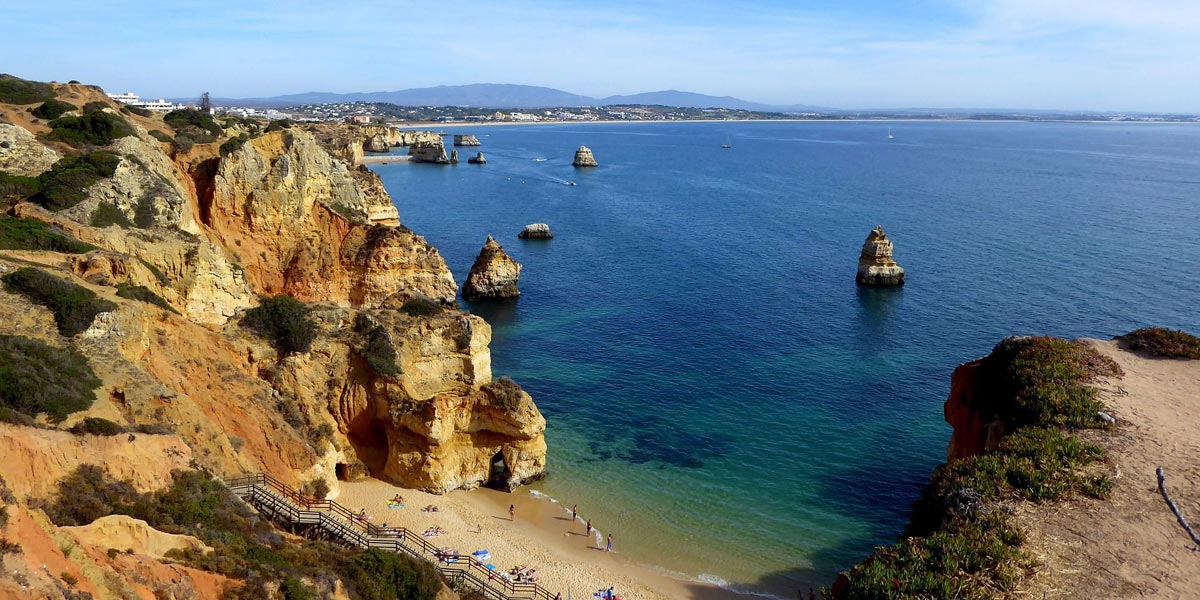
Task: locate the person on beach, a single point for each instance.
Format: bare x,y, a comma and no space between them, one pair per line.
608,548
588,528
811,594
512,512
574,513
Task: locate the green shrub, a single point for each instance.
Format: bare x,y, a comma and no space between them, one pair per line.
16,417
31,234
95,128
67,182
53,109
139,111
1158,341
291,588
279,124
69,579
39,379
317,488
184,143
107,214
97,426
233,144
161,136
506,393
283,321
74,306
143,212
421,307
377,348
379,575
142,293
96,106
17,187
14,90
190,118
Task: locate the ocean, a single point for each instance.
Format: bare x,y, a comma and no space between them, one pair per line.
720,395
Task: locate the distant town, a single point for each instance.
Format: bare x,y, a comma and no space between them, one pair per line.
387,113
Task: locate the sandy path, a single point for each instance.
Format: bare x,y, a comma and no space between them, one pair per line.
1131,546
542,536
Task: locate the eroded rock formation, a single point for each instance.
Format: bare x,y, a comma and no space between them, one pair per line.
429,151
478,159
875,264
584,158
494,274
466,140
377,143
536,231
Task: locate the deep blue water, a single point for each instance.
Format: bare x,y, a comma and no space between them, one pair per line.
720,394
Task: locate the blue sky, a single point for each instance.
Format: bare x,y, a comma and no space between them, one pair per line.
1068,54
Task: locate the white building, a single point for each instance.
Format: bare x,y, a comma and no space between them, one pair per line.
131,99
126,98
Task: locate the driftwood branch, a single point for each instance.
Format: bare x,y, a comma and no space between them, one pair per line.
1162,488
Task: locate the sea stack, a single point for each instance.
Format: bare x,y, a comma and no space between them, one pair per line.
494,274
584,158
875,264
428,151
536,231
478,159
454,157
466,140
377,143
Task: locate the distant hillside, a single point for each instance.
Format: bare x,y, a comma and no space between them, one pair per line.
497,95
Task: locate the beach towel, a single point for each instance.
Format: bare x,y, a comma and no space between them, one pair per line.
482,555
390,505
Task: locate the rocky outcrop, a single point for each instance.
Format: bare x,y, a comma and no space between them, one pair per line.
875,264
972,432
297,221
377,143
429,151
478,159
536,231
494,274
439,422
131,535
22,154
584,158
454,157
466,140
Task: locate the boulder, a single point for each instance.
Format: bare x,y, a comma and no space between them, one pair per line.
466,140
478,159
494,274
875,264
536,231
584,158
428,151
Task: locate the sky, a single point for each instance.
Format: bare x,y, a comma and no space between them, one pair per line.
1118,55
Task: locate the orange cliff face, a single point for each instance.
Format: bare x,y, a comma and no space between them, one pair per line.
973,432
210,231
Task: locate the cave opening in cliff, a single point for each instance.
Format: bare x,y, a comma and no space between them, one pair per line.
342,472
498,477
370,442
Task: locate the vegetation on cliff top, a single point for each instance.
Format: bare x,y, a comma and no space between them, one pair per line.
1162,342
74,306
377,346
14,90
196,124
17,187
959,542
283,321
31,234
505,392
95,127
142,293
66,183
39,379
245,545
53,109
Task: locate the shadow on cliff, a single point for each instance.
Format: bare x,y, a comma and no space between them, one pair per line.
878,495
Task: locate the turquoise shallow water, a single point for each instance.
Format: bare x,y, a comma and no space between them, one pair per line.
720,394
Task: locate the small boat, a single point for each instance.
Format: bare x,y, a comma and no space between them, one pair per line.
890,136
539,160
727,144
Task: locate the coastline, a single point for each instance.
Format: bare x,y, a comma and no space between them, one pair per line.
542,536
383,158
433,125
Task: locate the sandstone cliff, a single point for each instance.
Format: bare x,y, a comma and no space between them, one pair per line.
466,140
875,264
429,151
494,275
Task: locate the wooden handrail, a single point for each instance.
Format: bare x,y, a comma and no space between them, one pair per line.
265,490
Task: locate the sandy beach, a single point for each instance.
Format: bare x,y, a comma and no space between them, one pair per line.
542,536
383,159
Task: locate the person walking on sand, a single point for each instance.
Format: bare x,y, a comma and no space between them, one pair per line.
588,528
574,513
608,547
512,512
